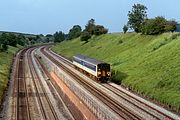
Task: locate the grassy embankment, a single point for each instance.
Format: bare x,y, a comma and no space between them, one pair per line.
149,65
5,64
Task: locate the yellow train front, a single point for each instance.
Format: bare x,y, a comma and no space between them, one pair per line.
92,67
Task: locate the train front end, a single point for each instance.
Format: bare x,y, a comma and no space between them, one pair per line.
103,72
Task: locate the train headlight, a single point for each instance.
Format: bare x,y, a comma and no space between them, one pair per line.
99,73
108,73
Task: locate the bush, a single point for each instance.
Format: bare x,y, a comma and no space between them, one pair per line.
154,26
85,36
118,76
158,25
170,26
99,30
125,28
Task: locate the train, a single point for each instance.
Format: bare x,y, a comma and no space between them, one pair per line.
96,69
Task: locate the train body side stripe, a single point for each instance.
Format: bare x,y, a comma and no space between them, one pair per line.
85,68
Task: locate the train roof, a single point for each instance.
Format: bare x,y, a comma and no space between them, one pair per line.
90,60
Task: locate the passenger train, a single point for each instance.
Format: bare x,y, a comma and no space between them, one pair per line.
94,68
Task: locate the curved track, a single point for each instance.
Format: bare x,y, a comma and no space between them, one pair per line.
23,93
22,102
121,110
152,111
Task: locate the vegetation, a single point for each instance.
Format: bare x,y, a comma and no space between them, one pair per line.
158,25
5,62
125,28
147,64
92,29
85,36
137,20
59,37
99,30
74,32
137,16
13,39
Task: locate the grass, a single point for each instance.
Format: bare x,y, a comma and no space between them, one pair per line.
5,62
150,65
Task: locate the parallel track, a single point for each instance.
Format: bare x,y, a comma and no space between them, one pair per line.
22,101
121,110
21,92
46,106
120,93
134,101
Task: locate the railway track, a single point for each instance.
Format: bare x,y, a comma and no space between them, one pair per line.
157,114
22,97
25,100
46,106
118,108
138,103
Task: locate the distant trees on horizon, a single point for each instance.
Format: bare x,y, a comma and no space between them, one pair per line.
14,39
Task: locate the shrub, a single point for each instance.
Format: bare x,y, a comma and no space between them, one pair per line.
125,28
158,25
170,26
99,30
154,26
85,36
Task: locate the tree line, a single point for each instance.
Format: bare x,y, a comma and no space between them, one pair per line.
76,31
137,21
14,39
140,23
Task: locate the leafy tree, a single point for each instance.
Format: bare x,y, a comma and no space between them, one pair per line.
74,32
137,16
99,29
158,25
21,40
59,37
125,28
49,38
90,27
171,26
49,35
85,36
5,45
12,39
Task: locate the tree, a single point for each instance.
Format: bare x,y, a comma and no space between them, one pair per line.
158,25
21,40
90,27
154,26
5,45
171,26
99,29
74,32
125,28
137,16
59,37
85,36
12,39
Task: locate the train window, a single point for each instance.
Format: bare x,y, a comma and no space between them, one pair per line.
92,67
104,67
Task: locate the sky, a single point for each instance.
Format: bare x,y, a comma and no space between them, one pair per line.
49,16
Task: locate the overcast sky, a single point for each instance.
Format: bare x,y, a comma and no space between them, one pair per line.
48,16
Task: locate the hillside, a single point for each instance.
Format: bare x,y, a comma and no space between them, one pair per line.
5,62
150,65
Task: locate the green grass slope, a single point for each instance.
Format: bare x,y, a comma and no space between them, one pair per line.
149,65
5,62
